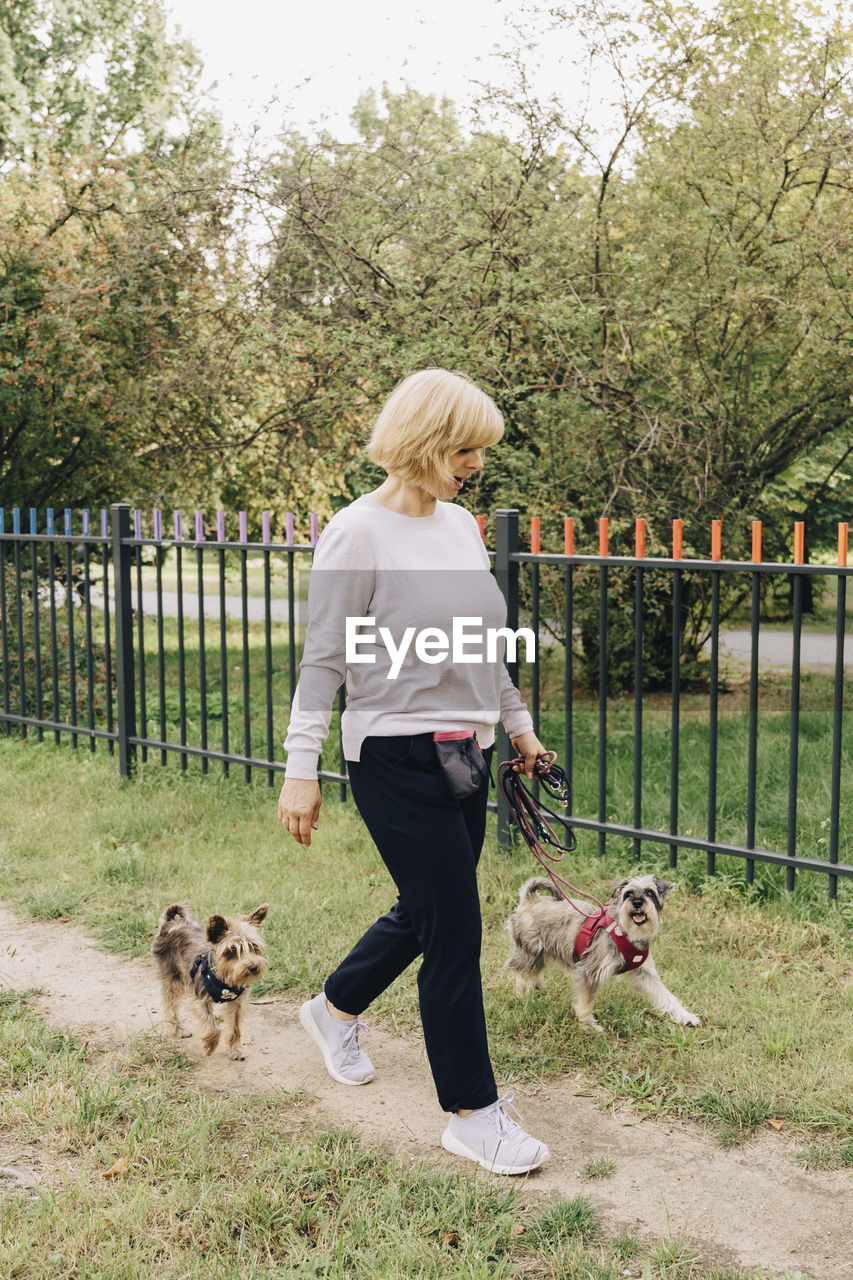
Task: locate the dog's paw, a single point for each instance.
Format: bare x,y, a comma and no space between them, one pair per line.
590,1024
237,1054
686,1019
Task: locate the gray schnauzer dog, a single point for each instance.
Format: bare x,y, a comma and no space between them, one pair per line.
215,964
593,949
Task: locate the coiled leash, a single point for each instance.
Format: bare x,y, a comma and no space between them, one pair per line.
529,815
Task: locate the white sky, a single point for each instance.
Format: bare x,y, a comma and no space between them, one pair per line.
317,58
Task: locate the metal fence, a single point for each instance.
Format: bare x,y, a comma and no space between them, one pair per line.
139,642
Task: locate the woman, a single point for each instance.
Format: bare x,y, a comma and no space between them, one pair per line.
391,573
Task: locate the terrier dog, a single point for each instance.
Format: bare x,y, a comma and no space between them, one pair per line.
215,963
593,949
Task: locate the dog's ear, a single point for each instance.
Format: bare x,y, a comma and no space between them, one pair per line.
259,914
217,927
619,886
663,887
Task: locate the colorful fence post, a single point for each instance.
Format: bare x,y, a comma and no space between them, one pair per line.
677,539
716,539
640,538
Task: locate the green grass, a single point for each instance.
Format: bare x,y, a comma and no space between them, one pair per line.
247,1188
814,756
203,1186
768,973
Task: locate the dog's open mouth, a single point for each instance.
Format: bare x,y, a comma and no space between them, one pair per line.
639,917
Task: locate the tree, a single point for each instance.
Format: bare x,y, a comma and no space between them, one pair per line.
659,303
136,359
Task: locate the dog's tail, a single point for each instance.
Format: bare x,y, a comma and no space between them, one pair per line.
534,885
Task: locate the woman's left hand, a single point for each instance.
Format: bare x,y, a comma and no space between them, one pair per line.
528,746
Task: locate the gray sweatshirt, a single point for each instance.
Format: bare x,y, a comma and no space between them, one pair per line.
406,611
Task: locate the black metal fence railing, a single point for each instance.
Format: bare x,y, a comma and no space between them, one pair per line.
179,648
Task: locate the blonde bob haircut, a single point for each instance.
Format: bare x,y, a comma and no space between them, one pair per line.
428,417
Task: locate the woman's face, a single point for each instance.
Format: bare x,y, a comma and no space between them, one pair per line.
463,464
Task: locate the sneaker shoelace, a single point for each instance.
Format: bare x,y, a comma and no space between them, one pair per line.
506,1127
349,1040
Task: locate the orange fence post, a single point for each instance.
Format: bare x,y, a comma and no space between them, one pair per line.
842,545
799,542
756,542
568,536
716,539
481,525
677,539
534,535
604,536
639,539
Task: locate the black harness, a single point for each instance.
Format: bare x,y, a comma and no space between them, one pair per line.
215,987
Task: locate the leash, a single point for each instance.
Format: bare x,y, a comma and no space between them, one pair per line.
529,815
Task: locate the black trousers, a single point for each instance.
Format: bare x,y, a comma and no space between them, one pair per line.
430,844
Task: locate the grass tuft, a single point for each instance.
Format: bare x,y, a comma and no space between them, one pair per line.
566,1220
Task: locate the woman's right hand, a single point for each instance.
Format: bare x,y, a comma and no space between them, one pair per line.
299,807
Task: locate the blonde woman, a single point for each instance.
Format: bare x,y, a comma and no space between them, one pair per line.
396,574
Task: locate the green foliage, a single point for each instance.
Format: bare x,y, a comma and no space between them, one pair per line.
76,681
660,310
136,361
656,297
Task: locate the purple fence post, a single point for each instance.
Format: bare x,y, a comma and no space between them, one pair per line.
220,526
265,526
178,526
158,525
67,516
199,526
48,513
105,522
137,523
244,530
85,519
288,528
314,534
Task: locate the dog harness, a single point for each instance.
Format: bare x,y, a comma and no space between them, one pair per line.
215,987
632,956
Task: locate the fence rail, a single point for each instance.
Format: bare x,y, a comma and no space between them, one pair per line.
95,645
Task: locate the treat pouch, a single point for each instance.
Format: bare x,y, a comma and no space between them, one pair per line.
462,762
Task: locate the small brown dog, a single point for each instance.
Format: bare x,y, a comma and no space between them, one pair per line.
593,949
214,964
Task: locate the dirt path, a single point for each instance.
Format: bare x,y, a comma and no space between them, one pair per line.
751,1207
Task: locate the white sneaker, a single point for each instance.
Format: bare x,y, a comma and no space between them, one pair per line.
492,1138
337,1040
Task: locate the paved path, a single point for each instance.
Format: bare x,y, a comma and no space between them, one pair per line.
776,649
233,606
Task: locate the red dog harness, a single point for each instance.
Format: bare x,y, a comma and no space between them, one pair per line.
633,956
